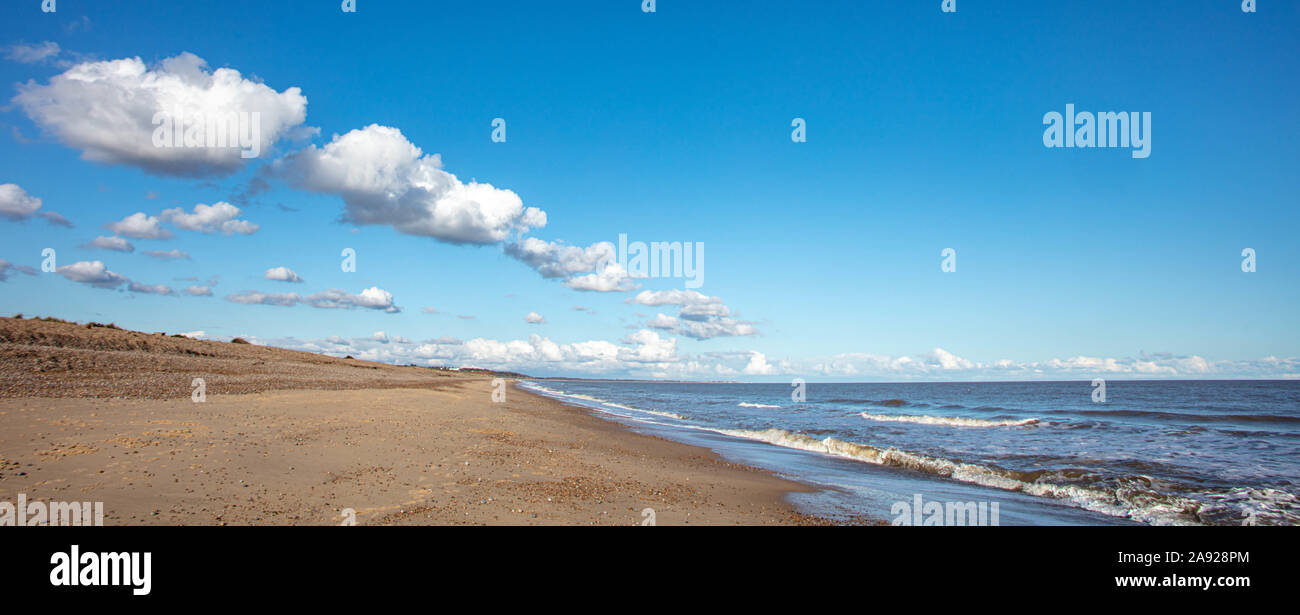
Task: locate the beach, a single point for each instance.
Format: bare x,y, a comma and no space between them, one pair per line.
291,438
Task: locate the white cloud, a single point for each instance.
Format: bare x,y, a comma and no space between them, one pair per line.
210,219
152,289
107,109
116,244
199,291
373,298
611,278
533,318
139,226
385,179
6,269
647,354
650,347
701,317
31,54
715,327
94,273
662,321
283,274
16,205
252,297
557,260
673,297
170,255
940,364
948,360
758,365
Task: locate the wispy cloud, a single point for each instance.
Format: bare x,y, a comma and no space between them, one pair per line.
32,53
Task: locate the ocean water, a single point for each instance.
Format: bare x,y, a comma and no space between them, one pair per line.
1156,452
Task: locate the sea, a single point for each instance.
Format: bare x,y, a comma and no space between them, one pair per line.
1029,453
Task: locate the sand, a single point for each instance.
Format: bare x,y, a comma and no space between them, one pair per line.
291,438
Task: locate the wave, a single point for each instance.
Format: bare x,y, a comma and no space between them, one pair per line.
887,403
1132,492
1127,497
951,421
1182,416
670,415
603,402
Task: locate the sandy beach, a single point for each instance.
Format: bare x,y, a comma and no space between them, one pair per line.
94,413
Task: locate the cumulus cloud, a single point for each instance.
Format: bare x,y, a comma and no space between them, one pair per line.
116,244
384,179
643,353
673,297
94,273
940,364
701,317
662,321
139,226
649,347
758,365
612,277
107,110
199,291
649,354
218,217
17,205
557,260
533,318
373,298
716,327
283,274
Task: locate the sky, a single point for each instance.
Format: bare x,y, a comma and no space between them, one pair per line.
824,258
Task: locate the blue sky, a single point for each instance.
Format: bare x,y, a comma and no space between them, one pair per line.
924,132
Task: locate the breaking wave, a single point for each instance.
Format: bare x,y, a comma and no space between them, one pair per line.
600,402
1134,497
951,421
